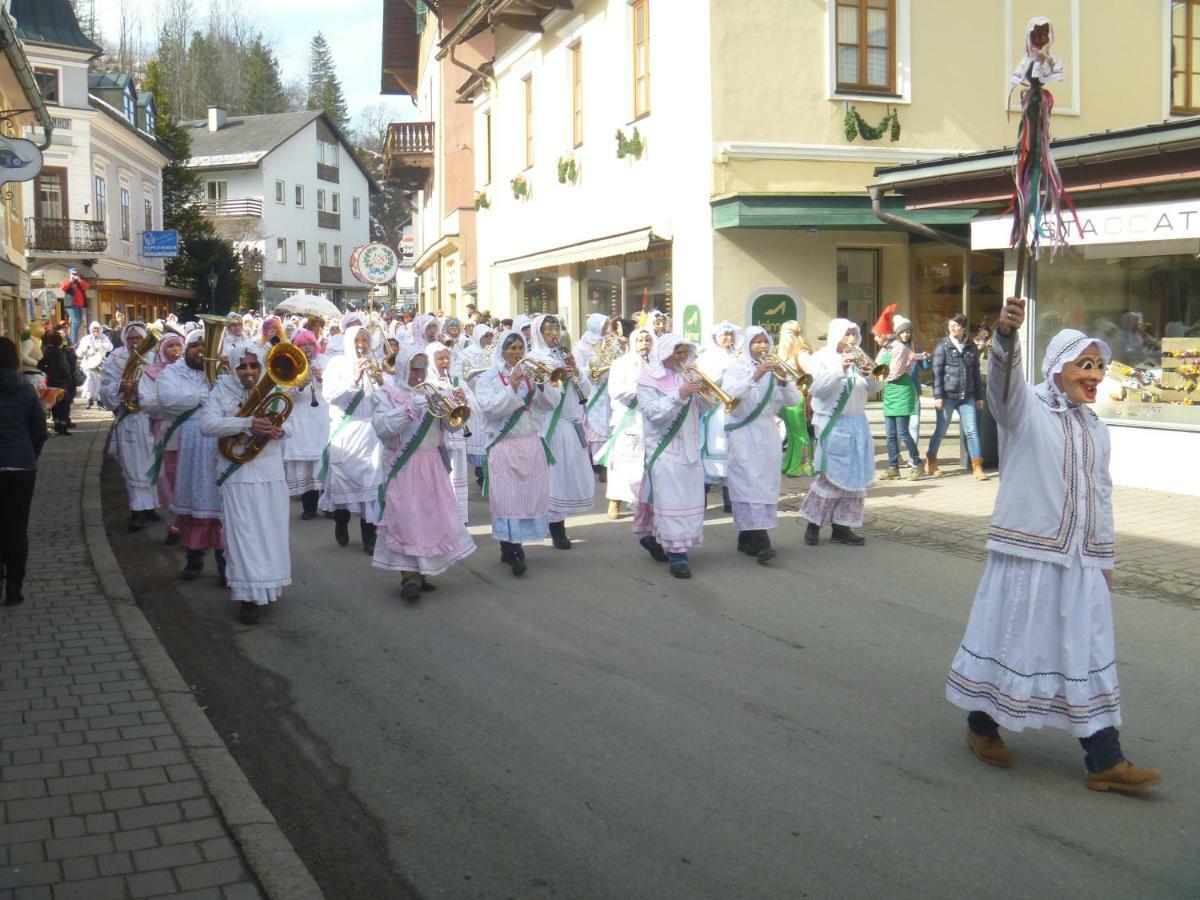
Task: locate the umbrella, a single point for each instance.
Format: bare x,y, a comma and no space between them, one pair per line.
309,305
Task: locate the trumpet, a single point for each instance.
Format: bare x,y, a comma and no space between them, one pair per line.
786,372
286,367
709,391
865,365
442,405
538,372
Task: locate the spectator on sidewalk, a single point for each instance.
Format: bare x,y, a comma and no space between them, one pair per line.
75,295
59,374
957,386
899,395
22,434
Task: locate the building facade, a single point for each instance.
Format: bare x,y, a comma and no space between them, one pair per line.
290,187
101,184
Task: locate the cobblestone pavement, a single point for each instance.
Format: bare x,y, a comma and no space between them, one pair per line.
1158,543
100,795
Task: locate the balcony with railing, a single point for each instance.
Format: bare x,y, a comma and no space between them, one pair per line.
233,208
408,153
65,235
330,274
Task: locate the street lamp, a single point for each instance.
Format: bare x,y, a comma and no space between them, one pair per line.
212,291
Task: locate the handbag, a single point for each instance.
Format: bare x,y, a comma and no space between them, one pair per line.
80,377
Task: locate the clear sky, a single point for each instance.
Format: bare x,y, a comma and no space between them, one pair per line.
352,27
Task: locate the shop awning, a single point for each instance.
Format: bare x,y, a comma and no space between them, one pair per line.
599,248
823,212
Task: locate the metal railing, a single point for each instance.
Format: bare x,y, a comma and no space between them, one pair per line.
238,206
65,235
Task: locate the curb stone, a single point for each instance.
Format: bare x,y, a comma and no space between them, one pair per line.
270,856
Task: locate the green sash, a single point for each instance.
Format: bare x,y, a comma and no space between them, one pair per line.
597,394
837,414
341,425
555,417
508,426
405,455
734,426
161,446
667,438
607,449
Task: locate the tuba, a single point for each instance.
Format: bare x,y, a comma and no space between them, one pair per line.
442,405
286,367
214,334
138,360
710,391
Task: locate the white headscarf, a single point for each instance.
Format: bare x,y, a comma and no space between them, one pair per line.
725,327
1065,347
664,346
420,325
595,328
747,361
538,346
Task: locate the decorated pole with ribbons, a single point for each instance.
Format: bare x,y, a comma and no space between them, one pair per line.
1039,198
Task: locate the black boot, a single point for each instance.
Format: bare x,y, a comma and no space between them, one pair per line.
250,614
479,476
762,545
194,566
744,545
367,532
517,559
12,592
151,515
654,548
843,535
410,591
341,526
137,521
308,502
812,534
172,537
222,581
506,552
558,536
728,504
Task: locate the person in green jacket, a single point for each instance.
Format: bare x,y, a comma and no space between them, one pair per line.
798,456
900,396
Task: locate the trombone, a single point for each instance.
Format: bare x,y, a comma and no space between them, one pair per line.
709,391
442,405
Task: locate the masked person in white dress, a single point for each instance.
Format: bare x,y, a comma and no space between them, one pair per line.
441,371
166,441
755,469
724,341
1039,649
670,513
254,497
517,473
92,350
623,454
306,431
352,465
572,483
598,412
845,457
422,532
132,442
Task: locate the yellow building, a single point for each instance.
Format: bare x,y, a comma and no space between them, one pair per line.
22,105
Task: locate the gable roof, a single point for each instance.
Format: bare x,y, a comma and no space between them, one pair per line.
105,81
51,22
246,140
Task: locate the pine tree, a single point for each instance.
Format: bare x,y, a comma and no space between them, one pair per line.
262,89
324,88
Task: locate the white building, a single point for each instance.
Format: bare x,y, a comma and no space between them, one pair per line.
290,186
101,185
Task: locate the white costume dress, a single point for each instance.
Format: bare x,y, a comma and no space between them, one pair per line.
355,456
1039,648
712,362
597,422
624,452
91,353
132,441
755,469
254,501
306,432
671,504
477,357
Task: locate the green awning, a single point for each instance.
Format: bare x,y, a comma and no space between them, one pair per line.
824,212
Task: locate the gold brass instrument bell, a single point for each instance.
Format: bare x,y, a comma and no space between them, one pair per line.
710,391
214,360
538,372
139,358
286,367
865,365
442,405
606,353
787,372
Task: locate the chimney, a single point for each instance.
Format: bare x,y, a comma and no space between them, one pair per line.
216,118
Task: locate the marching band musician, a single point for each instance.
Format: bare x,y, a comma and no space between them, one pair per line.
272,332
478,355
725,338
132,441
306,431
92,350
517,482
624,452
425,329
845,458
657,322
254,497
572,484
352,465
596,424
670,513
166,442
196,502
455,443
422,531
234,334
755,469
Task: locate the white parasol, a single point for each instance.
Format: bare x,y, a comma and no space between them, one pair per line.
309,305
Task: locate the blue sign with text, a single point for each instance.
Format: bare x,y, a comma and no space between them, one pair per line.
160,244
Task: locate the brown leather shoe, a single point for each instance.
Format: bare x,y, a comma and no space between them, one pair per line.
1124,777
931,467
614,509
991,749
977,469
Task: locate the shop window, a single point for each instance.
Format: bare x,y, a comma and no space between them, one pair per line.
602,289
858,291
539,292
985,290
102,202
937,291
866,46
1185,57
647,284
126,227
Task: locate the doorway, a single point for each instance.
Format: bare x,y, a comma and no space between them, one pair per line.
858,291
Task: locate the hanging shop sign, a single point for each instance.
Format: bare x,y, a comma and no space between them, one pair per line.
770,308
20,160
160,244
374,263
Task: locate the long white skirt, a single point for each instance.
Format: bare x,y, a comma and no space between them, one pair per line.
626,467
133,444
90,392
302,475
459,475
678,504
715,450
1039,648
572,483
256,537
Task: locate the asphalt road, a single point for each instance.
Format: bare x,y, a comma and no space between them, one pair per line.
598,729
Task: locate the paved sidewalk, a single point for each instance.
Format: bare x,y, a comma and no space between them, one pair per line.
112,782
1158,541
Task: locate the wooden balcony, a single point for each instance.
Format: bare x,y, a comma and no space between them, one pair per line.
65,235
330,274
237,207
408,153
326,219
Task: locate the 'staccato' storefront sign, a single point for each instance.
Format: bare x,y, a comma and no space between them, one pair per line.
1103,225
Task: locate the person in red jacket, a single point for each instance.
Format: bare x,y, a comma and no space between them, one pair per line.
75,292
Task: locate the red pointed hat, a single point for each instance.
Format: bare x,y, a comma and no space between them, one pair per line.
883,325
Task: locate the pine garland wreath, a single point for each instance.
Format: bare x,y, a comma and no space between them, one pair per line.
855,126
